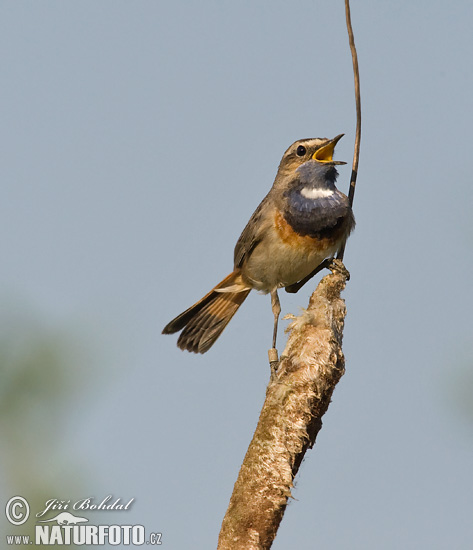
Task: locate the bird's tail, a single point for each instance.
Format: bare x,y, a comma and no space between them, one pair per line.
203,322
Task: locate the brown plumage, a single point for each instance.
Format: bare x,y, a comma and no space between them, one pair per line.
203,322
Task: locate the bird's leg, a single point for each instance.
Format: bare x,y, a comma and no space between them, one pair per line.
330,263
276,307
273,352
297,286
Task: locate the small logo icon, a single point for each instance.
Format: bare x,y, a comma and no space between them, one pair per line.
17,510
65,518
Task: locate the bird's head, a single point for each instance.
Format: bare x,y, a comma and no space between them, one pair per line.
308,161
314,150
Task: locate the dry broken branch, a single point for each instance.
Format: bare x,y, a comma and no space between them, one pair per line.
296,400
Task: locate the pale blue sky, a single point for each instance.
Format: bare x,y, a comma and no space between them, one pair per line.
136,140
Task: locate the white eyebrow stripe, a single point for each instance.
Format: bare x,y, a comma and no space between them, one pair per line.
314,193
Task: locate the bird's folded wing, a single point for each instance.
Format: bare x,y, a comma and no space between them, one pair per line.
253,233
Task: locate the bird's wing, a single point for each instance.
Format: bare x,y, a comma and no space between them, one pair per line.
252,234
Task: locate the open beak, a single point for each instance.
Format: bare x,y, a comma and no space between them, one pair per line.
325,153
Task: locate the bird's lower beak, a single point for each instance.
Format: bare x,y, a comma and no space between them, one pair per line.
325,153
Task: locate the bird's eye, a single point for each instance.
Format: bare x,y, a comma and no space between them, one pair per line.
301,151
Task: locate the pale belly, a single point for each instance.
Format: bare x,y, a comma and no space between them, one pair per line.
275,264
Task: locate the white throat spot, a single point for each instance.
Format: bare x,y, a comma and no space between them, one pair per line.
314,193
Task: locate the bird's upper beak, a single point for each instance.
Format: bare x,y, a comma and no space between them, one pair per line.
325,153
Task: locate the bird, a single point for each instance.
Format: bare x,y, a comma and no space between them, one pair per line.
302,222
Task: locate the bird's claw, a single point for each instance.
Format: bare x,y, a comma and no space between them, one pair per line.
336,266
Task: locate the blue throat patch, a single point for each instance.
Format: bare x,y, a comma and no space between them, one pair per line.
318,217
298,202
313,173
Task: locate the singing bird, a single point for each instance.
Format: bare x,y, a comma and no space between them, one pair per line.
302,221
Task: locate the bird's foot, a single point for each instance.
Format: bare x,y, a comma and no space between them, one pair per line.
336,266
